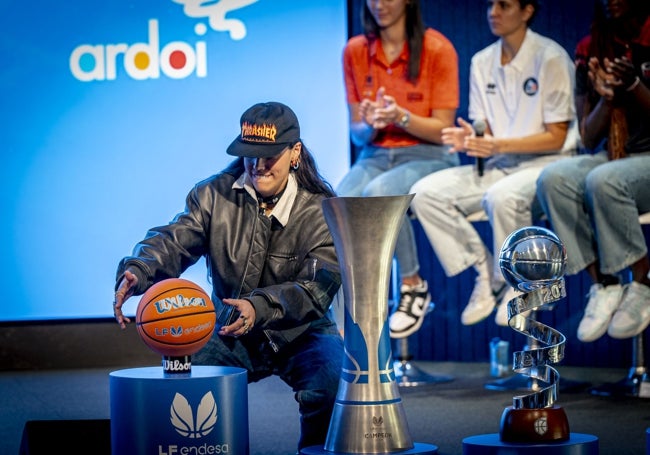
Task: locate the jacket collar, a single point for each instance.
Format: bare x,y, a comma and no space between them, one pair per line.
282,209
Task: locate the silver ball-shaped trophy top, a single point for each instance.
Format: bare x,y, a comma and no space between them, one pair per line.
531,258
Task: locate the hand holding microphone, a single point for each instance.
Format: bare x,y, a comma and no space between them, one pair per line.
472,139
479,126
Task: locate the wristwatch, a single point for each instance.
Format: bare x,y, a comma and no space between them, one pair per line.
403,122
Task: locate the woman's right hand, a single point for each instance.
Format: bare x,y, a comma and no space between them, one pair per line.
124,291
603,82
455,135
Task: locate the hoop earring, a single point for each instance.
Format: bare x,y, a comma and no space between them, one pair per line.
295,165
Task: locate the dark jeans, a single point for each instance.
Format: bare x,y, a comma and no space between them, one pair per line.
311,366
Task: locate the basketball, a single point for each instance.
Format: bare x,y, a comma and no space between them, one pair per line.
532,257
175,317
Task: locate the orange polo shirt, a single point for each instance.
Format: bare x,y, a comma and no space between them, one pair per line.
366,70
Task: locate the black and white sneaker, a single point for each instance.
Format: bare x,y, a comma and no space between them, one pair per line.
413,307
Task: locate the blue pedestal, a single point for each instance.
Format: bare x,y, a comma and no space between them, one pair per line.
490,444
647,441
205,412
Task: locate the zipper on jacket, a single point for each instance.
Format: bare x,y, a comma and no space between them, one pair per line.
271,342
314,263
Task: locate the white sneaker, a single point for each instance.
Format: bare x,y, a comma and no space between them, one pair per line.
602,303
501,317
633,315
481,302
411,310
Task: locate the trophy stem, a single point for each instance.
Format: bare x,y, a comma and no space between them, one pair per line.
408,374
636,383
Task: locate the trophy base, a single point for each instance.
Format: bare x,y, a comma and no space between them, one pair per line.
534,425
491,444
409,375
418,448
636,384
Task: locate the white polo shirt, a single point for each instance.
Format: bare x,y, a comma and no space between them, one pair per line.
518,98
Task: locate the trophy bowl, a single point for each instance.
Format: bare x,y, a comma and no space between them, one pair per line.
531,258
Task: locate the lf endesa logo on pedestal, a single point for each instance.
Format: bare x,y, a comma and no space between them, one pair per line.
176,59
194,427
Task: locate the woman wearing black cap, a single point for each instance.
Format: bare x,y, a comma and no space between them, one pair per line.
271,260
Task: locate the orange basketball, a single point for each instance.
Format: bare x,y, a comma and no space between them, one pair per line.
175,317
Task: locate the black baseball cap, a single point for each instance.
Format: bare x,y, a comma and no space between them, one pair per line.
266,130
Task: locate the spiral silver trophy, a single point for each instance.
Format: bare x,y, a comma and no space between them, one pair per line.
532,259
368,416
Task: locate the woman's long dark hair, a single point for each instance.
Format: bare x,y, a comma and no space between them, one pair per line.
608,34
606,31
414,34
309,178
307,175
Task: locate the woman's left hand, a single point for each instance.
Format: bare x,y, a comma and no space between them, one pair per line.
622,70
386,113
481,147
244,323
602,80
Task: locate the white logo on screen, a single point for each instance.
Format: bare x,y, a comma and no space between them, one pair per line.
216,14
184,421
147,60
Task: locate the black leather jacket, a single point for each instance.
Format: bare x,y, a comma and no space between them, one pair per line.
290,274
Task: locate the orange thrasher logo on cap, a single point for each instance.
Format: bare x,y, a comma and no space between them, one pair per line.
258,133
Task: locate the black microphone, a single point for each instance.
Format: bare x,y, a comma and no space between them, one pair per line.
479,126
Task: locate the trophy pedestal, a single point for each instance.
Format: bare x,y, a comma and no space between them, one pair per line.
534,425
514,382
418,448
634,385
491,444
408,374
637,382
204,412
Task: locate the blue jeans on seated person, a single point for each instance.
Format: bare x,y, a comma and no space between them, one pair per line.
391,172
593,205
310,365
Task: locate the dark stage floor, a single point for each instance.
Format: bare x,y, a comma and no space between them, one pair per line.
441,414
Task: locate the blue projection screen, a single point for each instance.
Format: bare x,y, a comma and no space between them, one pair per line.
112,111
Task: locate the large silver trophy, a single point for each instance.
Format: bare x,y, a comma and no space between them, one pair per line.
368,416
532,260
